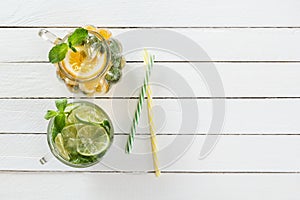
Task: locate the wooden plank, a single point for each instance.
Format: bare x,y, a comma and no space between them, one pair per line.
149,13
168,186
262,116
219,44
238,79
276,154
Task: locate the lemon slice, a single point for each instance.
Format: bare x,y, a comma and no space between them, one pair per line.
89,87
92,140
104,33
90,28
76,59
60,147
80,66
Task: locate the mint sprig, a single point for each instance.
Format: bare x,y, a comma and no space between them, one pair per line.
59,116
50,114
60,121
61,104
77,37
59,51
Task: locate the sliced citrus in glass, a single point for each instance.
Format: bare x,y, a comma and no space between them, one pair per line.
60,147
83,114
89,87
92,140
86,114
71,117
76,59
103,86
80,65
90,28
69,131
71,106
106,34
69,135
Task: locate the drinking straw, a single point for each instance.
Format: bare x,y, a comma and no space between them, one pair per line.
151,124
137,113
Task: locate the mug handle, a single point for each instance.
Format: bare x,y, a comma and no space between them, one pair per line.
45,158
48,36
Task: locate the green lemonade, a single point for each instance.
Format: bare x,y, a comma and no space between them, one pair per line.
85,137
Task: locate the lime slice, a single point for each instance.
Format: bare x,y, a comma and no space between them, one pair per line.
71,106
69,131
60,147
71,117
92,140
85,114
69,135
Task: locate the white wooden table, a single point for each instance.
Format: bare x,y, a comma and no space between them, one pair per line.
254,45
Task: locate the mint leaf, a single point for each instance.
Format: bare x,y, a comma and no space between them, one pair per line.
60,121
77,37
105,124
54,132
71,47
58,53
50,114
61,104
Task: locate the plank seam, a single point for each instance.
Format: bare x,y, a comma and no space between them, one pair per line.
158,98
170,61
150,172
156,27
174,134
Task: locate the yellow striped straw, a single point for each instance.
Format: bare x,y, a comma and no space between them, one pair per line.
151,123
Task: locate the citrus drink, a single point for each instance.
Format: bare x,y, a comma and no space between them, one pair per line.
93,65
86,136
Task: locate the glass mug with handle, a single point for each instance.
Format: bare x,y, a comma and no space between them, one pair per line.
95,65
83,138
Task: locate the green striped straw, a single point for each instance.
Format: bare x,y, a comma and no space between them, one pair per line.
138,110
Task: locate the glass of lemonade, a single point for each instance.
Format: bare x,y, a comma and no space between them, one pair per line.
87,135
95,65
